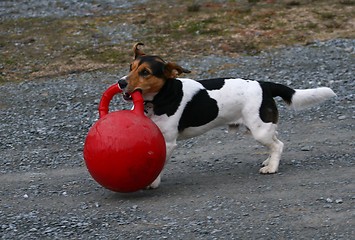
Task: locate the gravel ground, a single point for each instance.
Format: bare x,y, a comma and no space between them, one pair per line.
211,188
63,8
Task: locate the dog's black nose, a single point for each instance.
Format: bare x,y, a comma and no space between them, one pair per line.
122,83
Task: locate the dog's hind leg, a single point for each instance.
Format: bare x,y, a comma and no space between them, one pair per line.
265,133
271,164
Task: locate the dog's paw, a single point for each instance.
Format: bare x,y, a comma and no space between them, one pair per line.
266,162
154,184
267,170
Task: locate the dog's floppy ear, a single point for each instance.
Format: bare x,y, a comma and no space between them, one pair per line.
172,70
137,52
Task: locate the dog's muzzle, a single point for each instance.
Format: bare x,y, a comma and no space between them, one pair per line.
122,83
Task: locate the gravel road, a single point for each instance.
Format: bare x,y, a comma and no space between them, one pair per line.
10,9
211,188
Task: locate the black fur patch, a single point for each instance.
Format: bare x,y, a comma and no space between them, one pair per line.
168,100
279,90
200,110
268,109
156,64
213,84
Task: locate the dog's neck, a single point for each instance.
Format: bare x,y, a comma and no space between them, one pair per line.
168,99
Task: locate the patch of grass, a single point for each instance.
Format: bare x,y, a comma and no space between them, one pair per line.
206,26
293,3
253,1
195,7
36,47
347,2
326,15
105,55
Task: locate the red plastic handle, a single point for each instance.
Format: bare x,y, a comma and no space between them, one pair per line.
113,90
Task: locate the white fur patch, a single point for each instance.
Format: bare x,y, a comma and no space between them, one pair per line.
304,98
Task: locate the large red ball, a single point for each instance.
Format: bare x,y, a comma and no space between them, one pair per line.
124,151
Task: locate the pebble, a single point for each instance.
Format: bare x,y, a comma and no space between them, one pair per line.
306,148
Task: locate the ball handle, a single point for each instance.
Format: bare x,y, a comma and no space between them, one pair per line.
113,90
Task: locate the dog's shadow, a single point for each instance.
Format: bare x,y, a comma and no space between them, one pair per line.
194,182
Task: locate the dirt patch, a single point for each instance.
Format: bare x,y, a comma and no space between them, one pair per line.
39,46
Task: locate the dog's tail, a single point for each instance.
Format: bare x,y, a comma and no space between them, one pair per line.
301,98
304,98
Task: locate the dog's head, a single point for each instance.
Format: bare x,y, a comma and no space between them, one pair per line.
148,73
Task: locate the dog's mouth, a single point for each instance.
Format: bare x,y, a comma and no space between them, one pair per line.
127,96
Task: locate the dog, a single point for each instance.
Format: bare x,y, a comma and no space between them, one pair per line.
183,108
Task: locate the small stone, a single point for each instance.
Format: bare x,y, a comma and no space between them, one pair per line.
25,196
339,201
342,117
306,148
329,200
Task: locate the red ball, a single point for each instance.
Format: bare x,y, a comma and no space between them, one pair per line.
125,151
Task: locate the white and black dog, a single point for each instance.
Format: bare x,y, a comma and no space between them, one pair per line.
183,108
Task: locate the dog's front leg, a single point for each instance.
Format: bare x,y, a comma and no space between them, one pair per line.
170,146
156,183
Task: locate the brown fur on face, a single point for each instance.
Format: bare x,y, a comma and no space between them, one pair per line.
142,77
149,73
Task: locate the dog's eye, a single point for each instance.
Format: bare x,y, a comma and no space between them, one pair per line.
145,73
